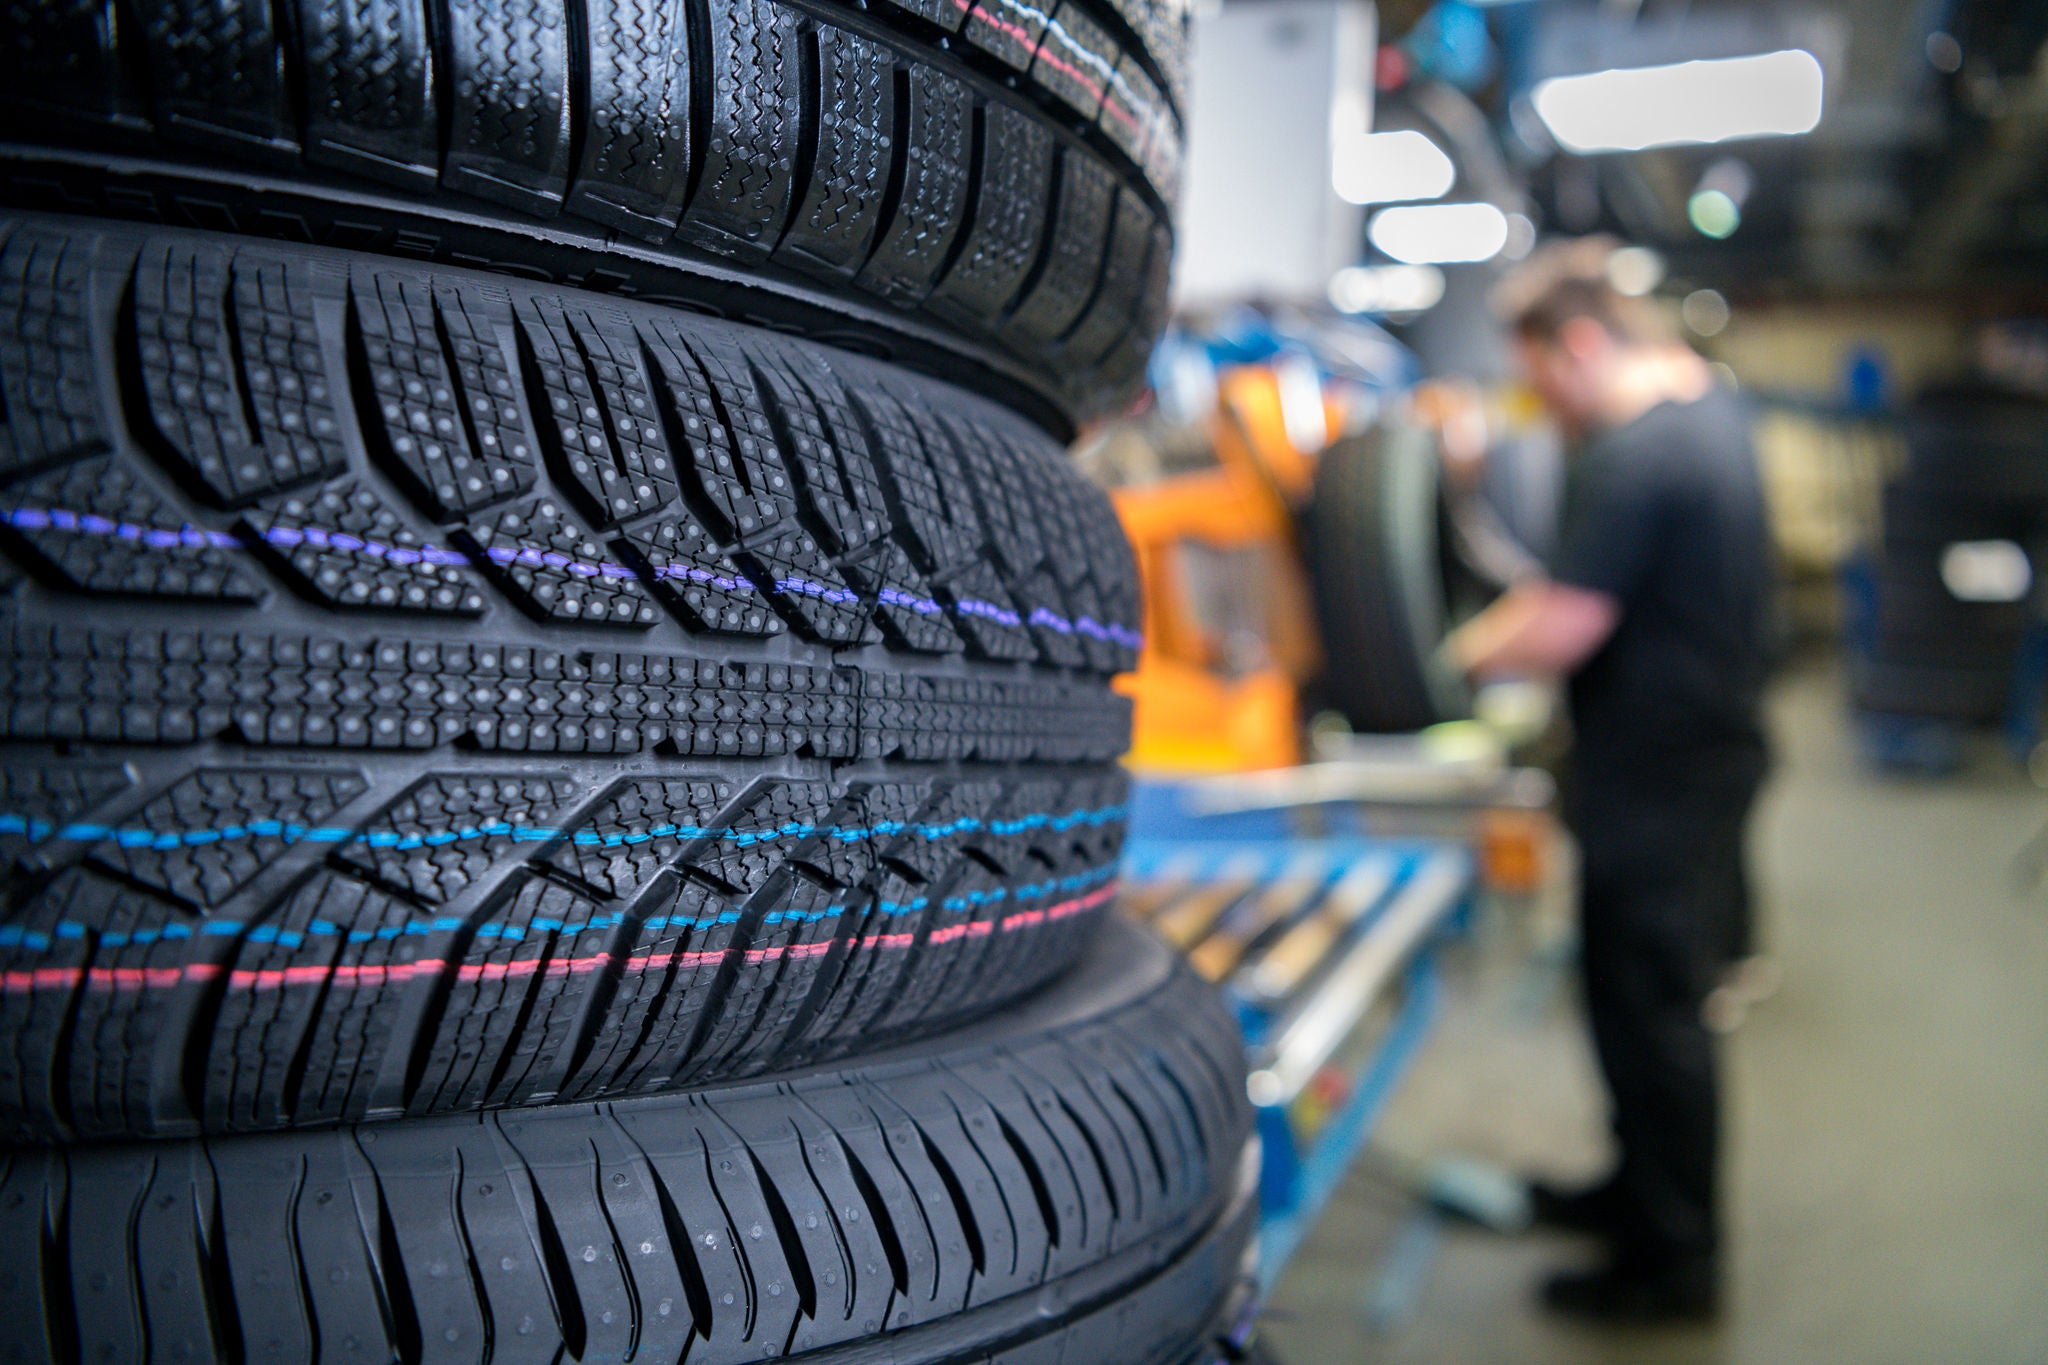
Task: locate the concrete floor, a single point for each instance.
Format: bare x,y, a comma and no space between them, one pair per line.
1887,1117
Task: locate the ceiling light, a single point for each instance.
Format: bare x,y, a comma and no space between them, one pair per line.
1425,234
1625,110
1635,270
1386,288
1713,213
1386,168
1705,311
1521,237
1986,571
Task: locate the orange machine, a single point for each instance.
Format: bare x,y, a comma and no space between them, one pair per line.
1225,699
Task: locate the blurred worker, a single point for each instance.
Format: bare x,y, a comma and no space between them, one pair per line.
1656,607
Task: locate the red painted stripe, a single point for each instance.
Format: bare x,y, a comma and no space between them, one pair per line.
26,980
1023,36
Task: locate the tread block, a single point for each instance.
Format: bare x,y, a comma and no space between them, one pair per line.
39,800
822,447
906,610
744,186
940,132
607,434
1008,30
99,528
48,383
1132,109
922,474
208,834
448,830
344,545
1009,218
233,368
1072,266
1075,61
987,616
231,360
642,828
62,55
370,93
696,579
807,589
555,570
947,14
636,147
509,74
1117,303
851,156
532,967
758,832
217,79
81,1044
714,420
443,397
315,1003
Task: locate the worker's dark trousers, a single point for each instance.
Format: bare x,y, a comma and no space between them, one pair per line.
1663,908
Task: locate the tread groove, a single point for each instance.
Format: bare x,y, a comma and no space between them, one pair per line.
962,1209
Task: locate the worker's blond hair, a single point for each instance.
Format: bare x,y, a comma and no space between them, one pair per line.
1568,279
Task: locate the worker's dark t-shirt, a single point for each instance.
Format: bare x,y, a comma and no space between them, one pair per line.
1666,515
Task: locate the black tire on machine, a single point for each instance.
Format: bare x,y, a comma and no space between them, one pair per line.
1387,586
428,692
1070,1182
982,192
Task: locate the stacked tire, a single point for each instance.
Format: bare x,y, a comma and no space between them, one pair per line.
559,794
1977,473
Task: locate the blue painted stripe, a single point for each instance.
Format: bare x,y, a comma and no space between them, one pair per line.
43,831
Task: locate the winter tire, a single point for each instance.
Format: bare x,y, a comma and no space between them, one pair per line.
425,692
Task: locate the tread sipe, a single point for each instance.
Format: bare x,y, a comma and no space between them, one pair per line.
1067,1184
978,188
422,693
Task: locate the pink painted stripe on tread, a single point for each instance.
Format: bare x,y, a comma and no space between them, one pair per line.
27,980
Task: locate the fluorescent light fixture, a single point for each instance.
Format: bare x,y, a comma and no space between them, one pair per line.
1986,571
1429,234
1387,168
1775,94
1386,288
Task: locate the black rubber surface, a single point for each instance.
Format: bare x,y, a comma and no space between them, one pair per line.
424,693
1067,1184
1978,442
1382,583
900,172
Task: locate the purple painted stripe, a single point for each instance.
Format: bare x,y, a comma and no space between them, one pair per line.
527,556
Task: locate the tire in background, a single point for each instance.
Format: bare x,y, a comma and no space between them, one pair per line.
1978,442
1068,1183
1383,592
1933,654
427,692
981,190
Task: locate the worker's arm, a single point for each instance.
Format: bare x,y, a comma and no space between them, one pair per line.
1538,627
